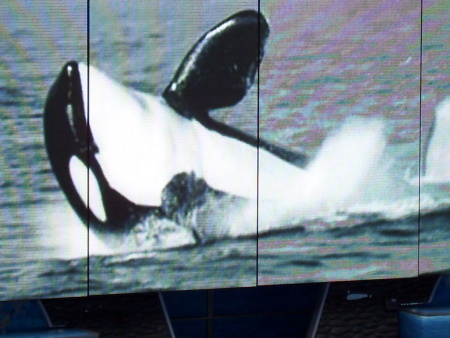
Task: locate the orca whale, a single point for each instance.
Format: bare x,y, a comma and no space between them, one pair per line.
122,156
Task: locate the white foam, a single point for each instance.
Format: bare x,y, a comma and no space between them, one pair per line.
64,235
437,161
339,176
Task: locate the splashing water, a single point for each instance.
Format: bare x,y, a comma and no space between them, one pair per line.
338,176
65,236
437,163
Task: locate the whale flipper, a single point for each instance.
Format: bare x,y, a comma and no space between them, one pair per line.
222,65
218,71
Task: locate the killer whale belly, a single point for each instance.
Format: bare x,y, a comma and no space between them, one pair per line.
138,139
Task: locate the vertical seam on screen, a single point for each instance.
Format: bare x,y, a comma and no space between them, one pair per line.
420,135
257,144
88,157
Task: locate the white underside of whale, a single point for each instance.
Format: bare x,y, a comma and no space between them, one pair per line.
143,144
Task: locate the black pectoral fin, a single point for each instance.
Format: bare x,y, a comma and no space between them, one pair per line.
222,65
